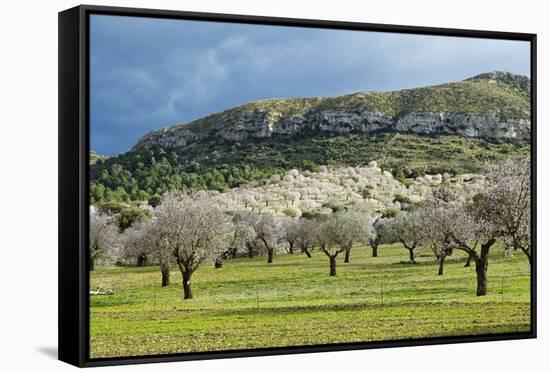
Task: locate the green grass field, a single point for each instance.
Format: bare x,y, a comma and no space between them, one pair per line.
251,304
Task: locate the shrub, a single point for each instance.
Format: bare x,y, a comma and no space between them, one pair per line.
292,212
335,207
401,199
390,213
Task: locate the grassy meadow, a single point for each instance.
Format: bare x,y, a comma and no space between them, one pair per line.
251,304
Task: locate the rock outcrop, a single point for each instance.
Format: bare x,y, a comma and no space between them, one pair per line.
357,114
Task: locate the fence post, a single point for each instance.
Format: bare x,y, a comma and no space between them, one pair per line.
382,291
257,300
502,288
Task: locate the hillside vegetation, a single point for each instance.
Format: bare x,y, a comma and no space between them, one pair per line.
219,165
335,189
498,92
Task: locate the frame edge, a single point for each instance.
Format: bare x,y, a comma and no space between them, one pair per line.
72,158
70,311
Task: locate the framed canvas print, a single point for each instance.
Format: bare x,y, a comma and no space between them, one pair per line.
237,186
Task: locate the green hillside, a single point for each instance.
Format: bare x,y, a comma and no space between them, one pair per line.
219,164
498,92
214,163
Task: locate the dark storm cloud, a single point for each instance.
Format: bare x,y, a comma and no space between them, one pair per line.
150,73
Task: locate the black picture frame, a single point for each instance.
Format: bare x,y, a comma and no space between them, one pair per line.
73,165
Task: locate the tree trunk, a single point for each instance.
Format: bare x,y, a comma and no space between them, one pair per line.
291,247
270,255
481,267
481,272
467,264
527,253
373,242
441,263
92,264
141,261
347,252
346,255
219,262
411,255
250,249
233,252
332,265
374,251
411,250
165,271
187,293
305,250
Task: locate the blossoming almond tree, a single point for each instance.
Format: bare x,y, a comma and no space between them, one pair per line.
244,236
268,231
196,229
305,230
377,238
405,228
469,229
340,231
356,227
146,239
510,201
289,233
103,235
431,234
134,245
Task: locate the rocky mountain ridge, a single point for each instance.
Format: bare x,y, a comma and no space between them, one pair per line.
491,106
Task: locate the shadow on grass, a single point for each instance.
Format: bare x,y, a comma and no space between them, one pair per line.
432,262
364,305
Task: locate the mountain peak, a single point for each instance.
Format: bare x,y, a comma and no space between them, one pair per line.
519,81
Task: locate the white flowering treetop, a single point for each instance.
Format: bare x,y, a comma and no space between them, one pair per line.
340,231
405,227
510,202
196,229
103,236
135,242
268,231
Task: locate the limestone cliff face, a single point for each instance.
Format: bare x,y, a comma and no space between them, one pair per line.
357,114
488,126
261,125
167,139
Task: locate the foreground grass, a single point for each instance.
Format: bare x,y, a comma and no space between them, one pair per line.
251,304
